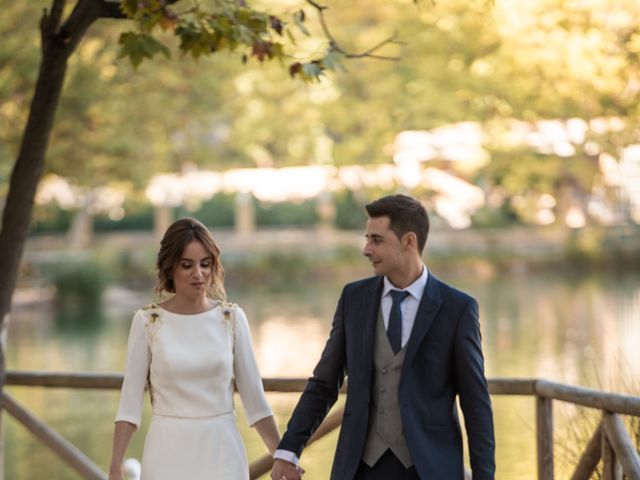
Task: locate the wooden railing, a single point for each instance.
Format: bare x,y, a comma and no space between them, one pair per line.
610,442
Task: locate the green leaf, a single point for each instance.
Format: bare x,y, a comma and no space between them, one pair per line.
245,35
153,46
311,71
333,62
129,7
194,39
138,46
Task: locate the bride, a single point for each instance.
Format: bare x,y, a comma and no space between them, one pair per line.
190,350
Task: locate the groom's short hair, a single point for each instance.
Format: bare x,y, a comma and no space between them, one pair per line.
406,214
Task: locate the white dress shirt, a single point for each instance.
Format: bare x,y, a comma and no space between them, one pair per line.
409,308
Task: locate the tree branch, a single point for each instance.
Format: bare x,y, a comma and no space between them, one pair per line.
83,15
370,53
111,8
56,14
50,21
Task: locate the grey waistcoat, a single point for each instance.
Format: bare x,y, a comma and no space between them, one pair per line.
385,424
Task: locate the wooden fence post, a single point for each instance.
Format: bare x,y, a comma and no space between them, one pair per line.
610,467
626,454
590,458
544,431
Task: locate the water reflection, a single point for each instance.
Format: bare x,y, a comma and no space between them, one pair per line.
572,329
575,329
86,321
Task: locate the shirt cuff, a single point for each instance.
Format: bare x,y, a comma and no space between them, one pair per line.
287,456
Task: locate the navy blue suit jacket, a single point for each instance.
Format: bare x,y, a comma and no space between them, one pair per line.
443,360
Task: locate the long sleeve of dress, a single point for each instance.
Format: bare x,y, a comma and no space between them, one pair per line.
246,373
136,373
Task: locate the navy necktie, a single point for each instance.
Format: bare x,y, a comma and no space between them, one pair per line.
394,329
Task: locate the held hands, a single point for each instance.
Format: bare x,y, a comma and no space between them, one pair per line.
283,470
116,475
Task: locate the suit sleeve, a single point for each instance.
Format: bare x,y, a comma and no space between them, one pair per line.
474,393
322,388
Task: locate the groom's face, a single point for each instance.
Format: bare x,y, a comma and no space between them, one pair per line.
386,252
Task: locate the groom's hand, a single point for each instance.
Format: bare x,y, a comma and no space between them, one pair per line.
283,470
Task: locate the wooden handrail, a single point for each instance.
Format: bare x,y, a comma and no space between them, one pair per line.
113,381
610,402
610,443
97,380
89,380
512,386
587,397
52,439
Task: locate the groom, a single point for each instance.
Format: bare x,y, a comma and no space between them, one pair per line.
410,344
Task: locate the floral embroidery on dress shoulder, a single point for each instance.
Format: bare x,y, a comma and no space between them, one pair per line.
227,309
154,321
229,314
152,324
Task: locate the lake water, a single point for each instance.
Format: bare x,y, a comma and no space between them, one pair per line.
572,328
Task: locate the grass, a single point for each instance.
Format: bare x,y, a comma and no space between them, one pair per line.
580,423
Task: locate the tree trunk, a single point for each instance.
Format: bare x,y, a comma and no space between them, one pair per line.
58,43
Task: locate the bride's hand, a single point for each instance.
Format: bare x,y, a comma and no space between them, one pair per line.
116,475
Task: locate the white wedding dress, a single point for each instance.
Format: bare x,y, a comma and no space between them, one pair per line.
191,363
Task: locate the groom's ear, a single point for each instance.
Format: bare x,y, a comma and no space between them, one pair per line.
410,239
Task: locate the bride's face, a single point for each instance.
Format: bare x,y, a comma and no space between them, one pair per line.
192,274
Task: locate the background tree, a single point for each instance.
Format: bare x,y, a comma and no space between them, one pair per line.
561,60
201,31
461,61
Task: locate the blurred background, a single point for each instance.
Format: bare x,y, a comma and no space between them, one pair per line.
515,122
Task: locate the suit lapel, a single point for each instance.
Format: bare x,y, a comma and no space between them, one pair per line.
427,311
369,306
